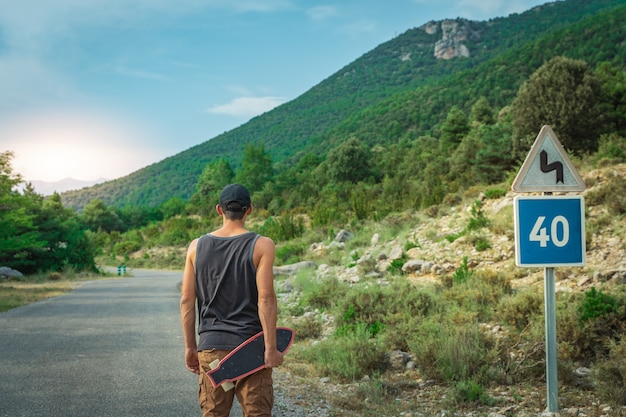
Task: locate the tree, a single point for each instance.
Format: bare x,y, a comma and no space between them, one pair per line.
136,217
482,112
461,160
256,168
66,243
214,177
453,129
173,207
613,81
351,161
494,157
8,180
562,93
97,216
18,233
38,234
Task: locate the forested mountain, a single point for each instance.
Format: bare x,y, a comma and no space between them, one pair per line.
400,91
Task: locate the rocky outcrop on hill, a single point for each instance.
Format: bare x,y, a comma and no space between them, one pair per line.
453,35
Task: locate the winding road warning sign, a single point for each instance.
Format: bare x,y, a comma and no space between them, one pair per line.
547,167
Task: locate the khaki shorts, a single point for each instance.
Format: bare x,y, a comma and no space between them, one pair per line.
255,392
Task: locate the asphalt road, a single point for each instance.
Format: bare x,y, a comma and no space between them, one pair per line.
109,348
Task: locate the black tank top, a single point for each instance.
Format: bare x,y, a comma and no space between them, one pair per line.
226,291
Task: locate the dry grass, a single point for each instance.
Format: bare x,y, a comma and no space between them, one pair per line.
29,289
15,294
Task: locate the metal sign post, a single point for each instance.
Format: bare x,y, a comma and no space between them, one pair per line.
551,366
549,230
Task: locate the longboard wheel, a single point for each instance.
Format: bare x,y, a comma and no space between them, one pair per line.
228,385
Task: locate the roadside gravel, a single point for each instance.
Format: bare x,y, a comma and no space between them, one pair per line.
293,400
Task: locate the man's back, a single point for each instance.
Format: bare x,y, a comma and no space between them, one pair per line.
226,290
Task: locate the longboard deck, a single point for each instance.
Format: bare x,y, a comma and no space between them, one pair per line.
248,357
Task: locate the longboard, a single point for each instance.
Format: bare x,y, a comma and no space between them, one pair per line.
247,358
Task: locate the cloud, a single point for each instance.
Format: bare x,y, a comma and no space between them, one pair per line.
28,18
322,12
360,27
480,9
248,106
472,8
41,38
258,5
134,73
25,81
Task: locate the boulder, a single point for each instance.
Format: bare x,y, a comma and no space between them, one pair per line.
6,273
293,268
343,236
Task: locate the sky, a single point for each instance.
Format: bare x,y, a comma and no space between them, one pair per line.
94,89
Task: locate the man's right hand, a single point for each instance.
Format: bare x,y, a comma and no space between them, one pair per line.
191,361
273,359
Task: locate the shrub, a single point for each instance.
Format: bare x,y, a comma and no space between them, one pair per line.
586,340
610,375
597,304
462,273
54,276
447,352
476,293
612,147
290,252
465,354
409,300
351,356
175,237
126,247
478,219
481,243
472,392
520,308
395,267
612,194
282,228
371,397
307,328
493,193
406,306
452,237
364,306
323,294
519,356
410,245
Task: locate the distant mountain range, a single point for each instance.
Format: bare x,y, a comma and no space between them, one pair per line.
66,184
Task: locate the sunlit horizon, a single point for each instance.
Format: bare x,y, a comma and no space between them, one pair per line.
53,146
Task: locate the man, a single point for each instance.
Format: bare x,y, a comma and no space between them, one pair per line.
230,273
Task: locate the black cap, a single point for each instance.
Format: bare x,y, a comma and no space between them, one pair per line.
235,197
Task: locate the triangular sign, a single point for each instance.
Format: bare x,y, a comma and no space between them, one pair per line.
547,168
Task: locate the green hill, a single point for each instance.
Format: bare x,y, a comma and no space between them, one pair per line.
399,89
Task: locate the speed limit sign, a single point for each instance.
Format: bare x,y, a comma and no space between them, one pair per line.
549,231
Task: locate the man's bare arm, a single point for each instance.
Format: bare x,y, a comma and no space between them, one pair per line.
265,252
188,310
